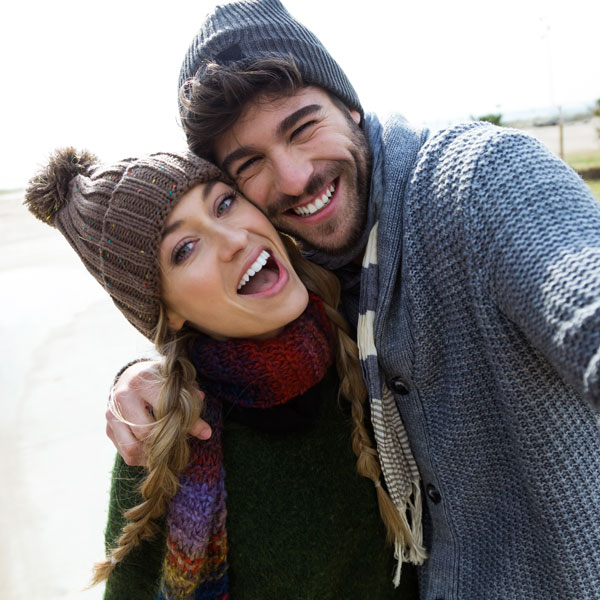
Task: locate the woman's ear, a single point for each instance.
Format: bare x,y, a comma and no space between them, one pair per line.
174,321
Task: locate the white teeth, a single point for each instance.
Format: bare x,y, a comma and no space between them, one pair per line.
255,267
316,205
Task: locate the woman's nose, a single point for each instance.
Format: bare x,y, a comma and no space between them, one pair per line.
231,240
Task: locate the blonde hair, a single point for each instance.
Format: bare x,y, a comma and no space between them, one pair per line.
179,406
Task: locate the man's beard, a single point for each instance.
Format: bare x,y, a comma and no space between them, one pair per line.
357,175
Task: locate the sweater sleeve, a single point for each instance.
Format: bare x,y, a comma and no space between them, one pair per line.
137,577
536,227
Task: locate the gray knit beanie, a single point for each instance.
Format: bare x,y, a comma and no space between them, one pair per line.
249,29
113,217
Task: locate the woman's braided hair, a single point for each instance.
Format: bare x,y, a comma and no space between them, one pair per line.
179,406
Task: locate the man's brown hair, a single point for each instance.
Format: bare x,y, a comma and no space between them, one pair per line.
212,104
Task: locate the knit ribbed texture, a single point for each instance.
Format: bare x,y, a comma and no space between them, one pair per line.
246,373
293,529
240,31
489,314
113,217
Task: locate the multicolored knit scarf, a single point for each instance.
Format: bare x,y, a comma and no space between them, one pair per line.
249,374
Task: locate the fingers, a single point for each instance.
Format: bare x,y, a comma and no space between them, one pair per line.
134,397
130,414
127,445
201,429
129,417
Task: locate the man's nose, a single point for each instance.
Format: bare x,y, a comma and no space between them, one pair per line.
292,174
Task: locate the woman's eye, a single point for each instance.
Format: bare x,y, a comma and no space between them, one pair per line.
225,204
182,251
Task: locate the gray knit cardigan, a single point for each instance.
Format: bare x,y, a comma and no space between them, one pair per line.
488,332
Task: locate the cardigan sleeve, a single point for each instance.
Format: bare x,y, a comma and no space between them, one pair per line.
536,228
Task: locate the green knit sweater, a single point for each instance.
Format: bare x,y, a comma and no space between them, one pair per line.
301,523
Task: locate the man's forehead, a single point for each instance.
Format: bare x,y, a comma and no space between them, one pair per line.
280,105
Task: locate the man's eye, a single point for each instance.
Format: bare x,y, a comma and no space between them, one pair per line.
246,165
224,204
302,129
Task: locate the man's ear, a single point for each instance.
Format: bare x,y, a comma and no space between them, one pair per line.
355,116
174,321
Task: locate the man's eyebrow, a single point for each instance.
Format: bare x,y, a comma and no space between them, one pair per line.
296,116
282,128
236,155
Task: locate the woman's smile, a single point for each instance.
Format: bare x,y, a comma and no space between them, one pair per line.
265,277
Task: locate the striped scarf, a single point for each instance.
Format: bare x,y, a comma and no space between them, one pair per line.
394,151
398,465
249,374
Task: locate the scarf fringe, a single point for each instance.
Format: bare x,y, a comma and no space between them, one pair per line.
410,548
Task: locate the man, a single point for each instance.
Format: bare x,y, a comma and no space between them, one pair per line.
479,301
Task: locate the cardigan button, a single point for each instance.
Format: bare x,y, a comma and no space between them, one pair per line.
433,494
398,386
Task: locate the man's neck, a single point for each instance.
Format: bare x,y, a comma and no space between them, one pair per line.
358,259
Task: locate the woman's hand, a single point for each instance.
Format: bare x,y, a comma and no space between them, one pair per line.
130,412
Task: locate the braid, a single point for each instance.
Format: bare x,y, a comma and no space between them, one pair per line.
352,385
167,450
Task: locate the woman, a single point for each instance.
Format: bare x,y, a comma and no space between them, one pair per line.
201,272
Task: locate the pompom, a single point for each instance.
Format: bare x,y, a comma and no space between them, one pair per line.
48,190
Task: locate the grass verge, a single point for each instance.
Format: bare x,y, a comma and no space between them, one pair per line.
595,187
586,161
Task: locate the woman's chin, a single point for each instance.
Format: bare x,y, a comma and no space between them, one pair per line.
286,312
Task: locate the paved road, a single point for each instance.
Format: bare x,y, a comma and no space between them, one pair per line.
577,137
62,340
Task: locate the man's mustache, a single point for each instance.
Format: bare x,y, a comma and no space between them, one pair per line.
284,202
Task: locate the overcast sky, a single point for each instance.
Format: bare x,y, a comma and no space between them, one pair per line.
103,75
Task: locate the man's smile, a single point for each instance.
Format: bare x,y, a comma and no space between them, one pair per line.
317,203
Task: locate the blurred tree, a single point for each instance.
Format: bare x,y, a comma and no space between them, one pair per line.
495,118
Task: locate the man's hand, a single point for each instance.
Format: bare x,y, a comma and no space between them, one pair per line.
134,397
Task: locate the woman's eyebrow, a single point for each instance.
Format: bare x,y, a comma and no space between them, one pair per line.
207,187
171,228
